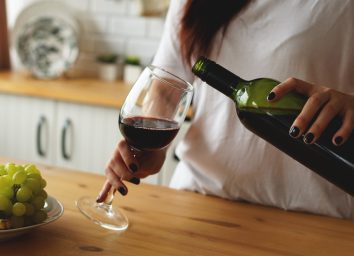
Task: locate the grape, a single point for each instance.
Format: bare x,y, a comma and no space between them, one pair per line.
7,191
23,194
10,168
43,194
38,202
28,221
29,209
33,175
31,168
5,181
5,204
33,184
19,168
18,209
39,216
19,177
2,170
17,222
43,183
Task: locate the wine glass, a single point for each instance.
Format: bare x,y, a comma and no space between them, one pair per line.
149,119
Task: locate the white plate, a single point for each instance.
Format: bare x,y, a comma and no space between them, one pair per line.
54,210
46,39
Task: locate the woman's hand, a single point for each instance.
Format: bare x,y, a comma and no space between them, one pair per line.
130,165
323,102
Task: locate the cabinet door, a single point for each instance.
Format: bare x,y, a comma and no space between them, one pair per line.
26,129
86,136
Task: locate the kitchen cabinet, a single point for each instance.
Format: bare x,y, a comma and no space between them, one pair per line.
26,127
86,136
65,134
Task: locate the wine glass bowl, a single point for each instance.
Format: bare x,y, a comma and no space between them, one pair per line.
149,120
154,109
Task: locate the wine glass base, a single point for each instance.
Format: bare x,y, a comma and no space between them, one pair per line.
107,216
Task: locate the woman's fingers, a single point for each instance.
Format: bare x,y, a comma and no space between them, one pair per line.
306,116
116,181
129,156
322,106
130,165
104,192
289,85
117,171
346,129
121,164
328,112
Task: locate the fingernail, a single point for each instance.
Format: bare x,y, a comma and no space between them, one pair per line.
122,191
133,167
135,180
294,131
309,137
271,96
99,199
338,140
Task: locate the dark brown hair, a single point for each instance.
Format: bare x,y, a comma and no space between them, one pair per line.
200,22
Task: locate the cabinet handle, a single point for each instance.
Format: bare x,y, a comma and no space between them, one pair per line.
42,121
64,131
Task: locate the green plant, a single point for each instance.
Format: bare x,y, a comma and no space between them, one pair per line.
107,58
132,60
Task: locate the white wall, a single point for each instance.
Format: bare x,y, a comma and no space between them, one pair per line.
108,26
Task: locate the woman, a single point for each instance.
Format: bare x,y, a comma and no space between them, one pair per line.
309,40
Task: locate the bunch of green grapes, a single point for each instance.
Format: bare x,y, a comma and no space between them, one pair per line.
22,196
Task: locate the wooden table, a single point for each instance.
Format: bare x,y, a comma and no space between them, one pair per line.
170,222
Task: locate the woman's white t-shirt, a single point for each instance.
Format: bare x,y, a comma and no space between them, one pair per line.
309,40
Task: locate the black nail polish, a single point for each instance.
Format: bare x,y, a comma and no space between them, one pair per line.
135,180
294,131
309,137
271,96
338,140
99,199
133,167
122,191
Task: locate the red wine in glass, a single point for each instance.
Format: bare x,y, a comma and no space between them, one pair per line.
148,133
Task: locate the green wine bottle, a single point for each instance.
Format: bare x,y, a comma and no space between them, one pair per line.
272,121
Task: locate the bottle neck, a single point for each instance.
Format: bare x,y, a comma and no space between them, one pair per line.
218,77
250,95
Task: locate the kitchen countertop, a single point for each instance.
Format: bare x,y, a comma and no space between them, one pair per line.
79,90
91,91
170,222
